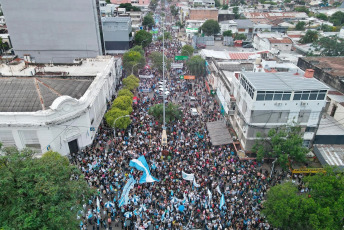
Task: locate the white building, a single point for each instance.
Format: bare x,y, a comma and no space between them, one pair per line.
59,108
269,100
272,41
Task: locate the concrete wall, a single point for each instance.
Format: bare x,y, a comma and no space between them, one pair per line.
203,14
53,31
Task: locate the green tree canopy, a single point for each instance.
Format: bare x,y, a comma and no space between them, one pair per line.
123,103
321,208
167,36
174,10
322,16
225,7
210,27
125,92
236,12
128,7
143,38
309,37
187,50
227,33
130,83
39,193
300,26
148,21
196,65
217,3
281,143
113,115
132,61
172,112
156,58
337,18
139,49
330,46
302,9
238,36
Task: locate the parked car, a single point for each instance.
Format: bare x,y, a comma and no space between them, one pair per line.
201,46
248,46
193,112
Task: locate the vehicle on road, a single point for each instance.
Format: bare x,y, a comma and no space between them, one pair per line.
193,112
248,46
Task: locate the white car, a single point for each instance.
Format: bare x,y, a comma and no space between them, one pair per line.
162,82
192,98
193,112
166,93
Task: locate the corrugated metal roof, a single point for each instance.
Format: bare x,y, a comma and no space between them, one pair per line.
285,81
330,154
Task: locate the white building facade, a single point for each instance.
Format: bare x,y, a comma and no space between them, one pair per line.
69,124
270,100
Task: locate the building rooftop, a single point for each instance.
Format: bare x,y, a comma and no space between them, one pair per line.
244,23
245,55
284,81
88,67
332,155
116,19
332,65
31,94
275,15
280,40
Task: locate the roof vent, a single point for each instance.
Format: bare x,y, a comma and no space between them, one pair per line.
297,72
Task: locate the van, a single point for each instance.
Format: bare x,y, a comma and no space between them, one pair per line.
193,112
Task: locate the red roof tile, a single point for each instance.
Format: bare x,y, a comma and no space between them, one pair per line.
281,41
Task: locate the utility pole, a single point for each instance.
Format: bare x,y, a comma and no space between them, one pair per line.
164,135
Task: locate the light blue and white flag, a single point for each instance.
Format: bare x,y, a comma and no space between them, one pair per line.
98,205
142,208
187,176
163,216
218,190
125,193
195,183
136,212
128,214
109,204
222,201
209,196
141,165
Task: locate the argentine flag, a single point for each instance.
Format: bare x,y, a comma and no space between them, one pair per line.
141,165
222,201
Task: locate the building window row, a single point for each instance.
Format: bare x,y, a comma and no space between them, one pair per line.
309,95
318,95
273,95
247,86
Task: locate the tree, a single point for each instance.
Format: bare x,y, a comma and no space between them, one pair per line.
143,38
196,65
321,208
238,36
128,7
148,21
322,16
123,103
180,24
236,12
281,143
302,9
172,112
167,36
300,26
210,27
125,92
108,2
337,18
227,33
330,46
40,193
327,28
225,7
157,61
187,50
139,49
130,83
132,61
113,115
309,37
217,3
174,10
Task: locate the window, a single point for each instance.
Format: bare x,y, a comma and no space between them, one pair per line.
310,129
286,96
297,96
309,95
306,143
273,95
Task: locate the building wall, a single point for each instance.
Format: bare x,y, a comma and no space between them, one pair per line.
333,81
140,2
67,119
203,14
116,35
54,31
281,46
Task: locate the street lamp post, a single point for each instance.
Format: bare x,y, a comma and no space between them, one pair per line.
164,135
132,68
114,124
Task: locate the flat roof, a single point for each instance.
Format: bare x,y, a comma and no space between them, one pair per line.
329,126
89,67
283,81
31,94
333,65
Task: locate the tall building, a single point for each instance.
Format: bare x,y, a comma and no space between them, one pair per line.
53,31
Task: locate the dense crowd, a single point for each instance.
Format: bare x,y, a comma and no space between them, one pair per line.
157,205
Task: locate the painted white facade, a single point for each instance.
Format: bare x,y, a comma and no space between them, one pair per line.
229,25
253,116
67,119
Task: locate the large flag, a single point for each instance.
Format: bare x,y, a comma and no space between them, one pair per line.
141,164
222,201
218,190
209,196
195,183
98,205
189,177
125,193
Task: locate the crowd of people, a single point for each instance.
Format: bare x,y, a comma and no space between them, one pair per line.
172,202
